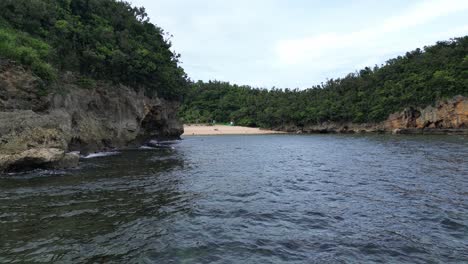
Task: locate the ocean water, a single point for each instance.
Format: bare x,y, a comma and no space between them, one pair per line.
247,199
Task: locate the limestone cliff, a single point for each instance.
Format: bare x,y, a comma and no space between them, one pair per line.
447,114
446,117
40,130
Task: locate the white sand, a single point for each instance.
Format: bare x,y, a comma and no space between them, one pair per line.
200,130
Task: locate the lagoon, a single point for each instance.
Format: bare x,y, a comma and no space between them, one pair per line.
247,199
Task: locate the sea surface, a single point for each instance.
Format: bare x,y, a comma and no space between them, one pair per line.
247,199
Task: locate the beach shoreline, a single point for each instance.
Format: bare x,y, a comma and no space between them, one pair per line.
205,130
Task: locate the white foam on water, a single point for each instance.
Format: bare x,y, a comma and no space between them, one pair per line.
146,147
101,154
163,142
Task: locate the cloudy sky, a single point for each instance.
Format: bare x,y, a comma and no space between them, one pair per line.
299,43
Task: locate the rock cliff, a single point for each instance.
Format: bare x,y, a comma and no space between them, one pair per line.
449,116
43,128
446,117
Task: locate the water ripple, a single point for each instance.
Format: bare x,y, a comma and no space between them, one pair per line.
259,199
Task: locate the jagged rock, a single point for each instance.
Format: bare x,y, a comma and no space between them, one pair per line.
71,118
447,114
447,117
343,128
31,158
69,160
405,119
19,89
24,129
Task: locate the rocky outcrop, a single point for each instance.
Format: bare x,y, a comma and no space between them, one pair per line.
344,128
114,117
447,116
333,128
39,158
43,130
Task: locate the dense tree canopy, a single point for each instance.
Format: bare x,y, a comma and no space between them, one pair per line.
418,78
100,39
111,40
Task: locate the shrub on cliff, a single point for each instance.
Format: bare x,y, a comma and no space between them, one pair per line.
27,50
100,39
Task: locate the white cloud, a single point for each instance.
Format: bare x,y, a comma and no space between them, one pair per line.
297,51
302,42
424,12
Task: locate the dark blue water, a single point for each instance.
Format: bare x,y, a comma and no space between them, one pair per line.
247,199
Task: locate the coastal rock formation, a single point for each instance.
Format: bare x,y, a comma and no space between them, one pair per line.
41,128
446,117
344,128
334,128
450,116
39,158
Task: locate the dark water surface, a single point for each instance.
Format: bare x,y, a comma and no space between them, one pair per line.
247,199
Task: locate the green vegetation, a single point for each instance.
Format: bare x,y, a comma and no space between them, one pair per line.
419,78
113,41
99,39
28,51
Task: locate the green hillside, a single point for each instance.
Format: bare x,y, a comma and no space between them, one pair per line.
99,39
419,78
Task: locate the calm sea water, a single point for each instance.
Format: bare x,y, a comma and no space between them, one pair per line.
247,199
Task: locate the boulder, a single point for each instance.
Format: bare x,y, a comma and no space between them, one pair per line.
31,158
69,160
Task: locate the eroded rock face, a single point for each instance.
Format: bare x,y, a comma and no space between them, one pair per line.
24,129
20,90
344,128
447,117
447,114
115,117
334,127
49,158
38,130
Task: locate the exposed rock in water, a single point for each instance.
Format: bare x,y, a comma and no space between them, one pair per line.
39,158
38,130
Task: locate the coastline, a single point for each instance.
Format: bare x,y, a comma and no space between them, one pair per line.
219,130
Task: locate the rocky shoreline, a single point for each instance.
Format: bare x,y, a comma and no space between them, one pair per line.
445,117
48,129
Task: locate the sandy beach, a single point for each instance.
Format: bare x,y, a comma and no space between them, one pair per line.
200,130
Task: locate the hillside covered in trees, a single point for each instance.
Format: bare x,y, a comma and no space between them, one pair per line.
417,79
98,39
111,40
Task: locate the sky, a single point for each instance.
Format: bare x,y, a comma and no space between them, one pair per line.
299,43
